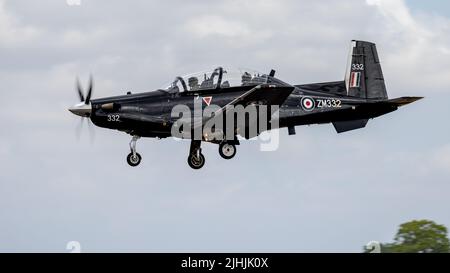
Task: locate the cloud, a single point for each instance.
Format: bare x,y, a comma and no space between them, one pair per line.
418,46
12,32
441,158
216,25
395,10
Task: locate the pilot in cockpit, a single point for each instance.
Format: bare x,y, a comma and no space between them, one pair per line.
193,83
246,78
174,87
207,83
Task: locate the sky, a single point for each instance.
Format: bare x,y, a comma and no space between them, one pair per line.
319,192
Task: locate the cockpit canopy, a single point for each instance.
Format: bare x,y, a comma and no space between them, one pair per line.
218,78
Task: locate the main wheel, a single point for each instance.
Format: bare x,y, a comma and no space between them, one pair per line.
227,151
133,160
196,162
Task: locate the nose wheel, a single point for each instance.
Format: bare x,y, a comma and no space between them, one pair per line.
227,151
133,158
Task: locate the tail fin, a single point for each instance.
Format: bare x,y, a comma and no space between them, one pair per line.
364,78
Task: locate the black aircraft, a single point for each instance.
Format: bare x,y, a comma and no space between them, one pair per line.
347,104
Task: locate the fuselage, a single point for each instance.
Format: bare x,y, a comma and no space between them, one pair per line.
149,114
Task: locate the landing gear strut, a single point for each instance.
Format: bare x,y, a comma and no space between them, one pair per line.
196,159
134,158
226,150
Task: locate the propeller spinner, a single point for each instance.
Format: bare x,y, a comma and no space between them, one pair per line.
84,108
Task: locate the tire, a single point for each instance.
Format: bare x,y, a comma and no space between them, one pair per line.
134,161
227,151
196,163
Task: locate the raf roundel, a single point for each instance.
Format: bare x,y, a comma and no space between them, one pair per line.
308,104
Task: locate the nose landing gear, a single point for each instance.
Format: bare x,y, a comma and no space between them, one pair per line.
134,158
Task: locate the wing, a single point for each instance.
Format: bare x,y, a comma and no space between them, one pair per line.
265,94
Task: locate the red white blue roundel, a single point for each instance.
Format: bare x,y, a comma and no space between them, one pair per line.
308,103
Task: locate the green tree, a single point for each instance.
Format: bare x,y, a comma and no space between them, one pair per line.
419,236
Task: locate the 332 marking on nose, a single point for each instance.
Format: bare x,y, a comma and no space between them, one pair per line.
113,118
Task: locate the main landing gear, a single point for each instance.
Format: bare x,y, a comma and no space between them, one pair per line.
196,160
134,158
226,150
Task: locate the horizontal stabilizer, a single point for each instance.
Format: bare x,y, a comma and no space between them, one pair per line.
344,126
404,100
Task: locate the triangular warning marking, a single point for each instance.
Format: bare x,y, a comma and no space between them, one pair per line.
207,100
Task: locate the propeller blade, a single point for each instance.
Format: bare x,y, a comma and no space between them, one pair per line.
80,90
91,86
79,129
84,111
91,131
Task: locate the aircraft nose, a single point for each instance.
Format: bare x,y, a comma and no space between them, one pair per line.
81,109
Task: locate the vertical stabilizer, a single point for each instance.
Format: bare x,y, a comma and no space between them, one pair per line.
363,77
